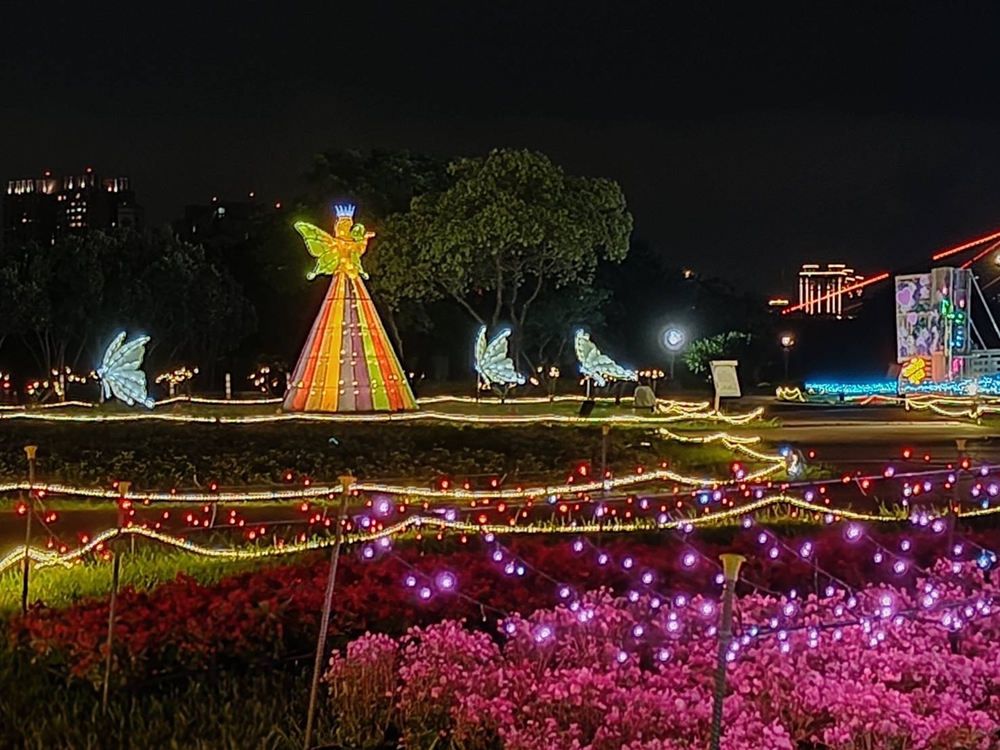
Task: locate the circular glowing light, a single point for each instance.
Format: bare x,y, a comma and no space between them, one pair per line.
674,338
446,581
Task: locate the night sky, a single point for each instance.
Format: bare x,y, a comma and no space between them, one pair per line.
748,137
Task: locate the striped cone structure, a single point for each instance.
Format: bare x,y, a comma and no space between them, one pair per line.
348,363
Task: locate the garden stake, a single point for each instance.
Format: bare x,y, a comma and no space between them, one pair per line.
605,431
731,570
953,501
345,482
29,451
123,488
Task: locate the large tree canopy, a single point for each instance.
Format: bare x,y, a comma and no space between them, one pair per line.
509,226
380,181
67,299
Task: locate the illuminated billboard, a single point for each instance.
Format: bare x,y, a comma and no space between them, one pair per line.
932,320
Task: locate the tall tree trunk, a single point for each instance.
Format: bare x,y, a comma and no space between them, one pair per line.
498,298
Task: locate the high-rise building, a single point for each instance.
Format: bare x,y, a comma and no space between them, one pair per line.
822,290
40,209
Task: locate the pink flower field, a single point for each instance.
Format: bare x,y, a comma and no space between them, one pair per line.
881,669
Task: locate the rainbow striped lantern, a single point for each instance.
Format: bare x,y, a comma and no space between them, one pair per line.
347,363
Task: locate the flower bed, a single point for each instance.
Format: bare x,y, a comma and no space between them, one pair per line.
271,613
606,674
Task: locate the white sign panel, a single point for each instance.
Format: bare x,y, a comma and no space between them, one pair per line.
725,379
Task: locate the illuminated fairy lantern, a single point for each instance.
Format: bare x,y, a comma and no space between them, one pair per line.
347,363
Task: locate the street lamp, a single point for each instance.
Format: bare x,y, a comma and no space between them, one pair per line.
787,341
674,339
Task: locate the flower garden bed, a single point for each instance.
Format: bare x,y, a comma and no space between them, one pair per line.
272,613
606,674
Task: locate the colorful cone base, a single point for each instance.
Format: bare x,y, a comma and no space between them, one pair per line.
347,364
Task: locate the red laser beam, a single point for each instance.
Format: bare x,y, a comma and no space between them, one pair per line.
880,277
979,255
965,246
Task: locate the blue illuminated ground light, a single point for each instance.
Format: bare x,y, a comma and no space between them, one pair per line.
985,385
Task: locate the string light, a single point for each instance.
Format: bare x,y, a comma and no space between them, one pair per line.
44,558
176,377
266,381
382,417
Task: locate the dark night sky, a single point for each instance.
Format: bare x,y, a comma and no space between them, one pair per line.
749,137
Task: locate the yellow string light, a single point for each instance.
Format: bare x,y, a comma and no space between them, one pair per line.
667,411
793,393
44,558
624,420
776,463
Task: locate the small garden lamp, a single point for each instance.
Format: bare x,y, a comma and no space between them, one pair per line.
787,341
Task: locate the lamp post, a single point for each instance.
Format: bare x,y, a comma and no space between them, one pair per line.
787,341
731,564
674,339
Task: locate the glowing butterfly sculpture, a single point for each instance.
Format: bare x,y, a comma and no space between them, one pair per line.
597,366
492,362
336,254
120,374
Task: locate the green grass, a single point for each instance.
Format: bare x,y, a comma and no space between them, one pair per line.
149,565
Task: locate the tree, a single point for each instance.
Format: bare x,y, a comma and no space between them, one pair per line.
508,227
729,345
68,298
380,181
55,290
558,313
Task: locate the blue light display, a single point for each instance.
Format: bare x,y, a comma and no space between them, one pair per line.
985,385
870,388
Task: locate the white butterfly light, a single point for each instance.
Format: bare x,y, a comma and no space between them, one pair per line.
120,374
597,366
492,362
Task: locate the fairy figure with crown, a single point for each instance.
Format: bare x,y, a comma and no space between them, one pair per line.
340,253
347,363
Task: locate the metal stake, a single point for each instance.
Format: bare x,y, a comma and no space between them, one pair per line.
30,451
605,430
345,483
116,564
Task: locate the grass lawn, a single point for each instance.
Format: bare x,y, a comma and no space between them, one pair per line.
150,564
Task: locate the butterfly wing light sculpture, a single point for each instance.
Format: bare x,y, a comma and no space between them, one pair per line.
596,365
492,362
119,372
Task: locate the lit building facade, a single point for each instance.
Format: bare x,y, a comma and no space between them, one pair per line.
39,209
821,289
